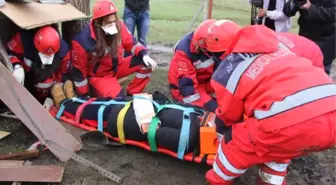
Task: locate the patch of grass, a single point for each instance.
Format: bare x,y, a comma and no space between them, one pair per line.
170,19
158,82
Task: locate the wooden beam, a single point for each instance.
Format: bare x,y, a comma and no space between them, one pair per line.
31,173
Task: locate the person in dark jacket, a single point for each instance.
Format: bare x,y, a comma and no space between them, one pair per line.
136,14
317,23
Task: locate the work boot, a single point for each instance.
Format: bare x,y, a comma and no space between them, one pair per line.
57,94
68,89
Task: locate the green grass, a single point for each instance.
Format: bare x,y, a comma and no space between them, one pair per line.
170,19
158,82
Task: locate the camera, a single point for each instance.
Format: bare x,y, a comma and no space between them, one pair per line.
258,3
299,3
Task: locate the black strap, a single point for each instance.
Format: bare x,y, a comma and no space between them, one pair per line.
204,159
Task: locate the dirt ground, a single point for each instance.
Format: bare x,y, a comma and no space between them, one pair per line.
140,167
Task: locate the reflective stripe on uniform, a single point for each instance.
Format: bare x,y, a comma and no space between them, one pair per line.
191,98
297,99
134,47
227,165
219,172
238,72
28,62
204,64
141,75
271,179
82,83
242,67
44,85
277,166
284,47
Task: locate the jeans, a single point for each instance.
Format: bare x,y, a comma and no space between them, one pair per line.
140,20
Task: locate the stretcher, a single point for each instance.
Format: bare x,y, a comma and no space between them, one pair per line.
207,143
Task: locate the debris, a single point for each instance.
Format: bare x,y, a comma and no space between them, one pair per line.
3,134
34,116
31,173
20,155
9,114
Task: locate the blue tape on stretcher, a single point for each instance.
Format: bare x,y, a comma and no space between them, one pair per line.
100,117
110,102
185,130
61,110
184,135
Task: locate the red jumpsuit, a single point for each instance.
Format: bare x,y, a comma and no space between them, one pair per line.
102,74
302,47
189,75
39,78
290,107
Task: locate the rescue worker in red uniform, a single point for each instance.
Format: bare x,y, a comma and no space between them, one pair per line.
40,59
302,47
191,69
97,55
290,107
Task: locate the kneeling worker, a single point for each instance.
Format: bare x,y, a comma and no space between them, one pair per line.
288,116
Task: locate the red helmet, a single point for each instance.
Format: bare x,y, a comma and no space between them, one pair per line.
201,32
47,40
103,8
221,34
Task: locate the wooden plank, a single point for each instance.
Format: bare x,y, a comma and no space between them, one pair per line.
31,173
11,162
35,117
20,155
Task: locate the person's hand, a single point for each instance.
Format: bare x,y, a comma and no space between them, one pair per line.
48,103
19,74
149,62
262,12
306,6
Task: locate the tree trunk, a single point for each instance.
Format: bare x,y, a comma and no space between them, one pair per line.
70,28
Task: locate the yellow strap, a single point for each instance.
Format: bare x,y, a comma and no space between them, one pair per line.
120,122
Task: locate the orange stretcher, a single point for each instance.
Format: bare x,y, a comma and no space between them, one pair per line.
205,153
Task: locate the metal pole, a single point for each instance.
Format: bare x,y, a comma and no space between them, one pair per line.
205,5
195,17
210,4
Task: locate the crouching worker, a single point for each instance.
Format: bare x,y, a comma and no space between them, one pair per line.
130,119
290,107
40,59
97,55
192,66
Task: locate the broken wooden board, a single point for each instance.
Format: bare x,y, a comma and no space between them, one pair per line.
11,162
3,134
31,173
34,116
21,155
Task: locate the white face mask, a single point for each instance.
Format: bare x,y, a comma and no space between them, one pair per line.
45,59
110,29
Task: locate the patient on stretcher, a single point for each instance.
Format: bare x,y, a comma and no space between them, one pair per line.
152,120
168,131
